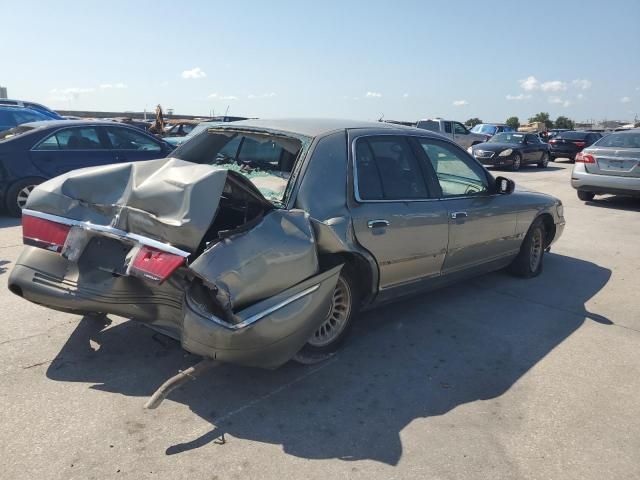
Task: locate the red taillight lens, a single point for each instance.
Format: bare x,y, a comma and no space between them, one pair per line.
42,233
154,264
585,158
579,144
553,141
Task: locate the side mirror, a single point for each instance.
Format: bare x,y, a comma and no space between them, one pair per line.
505,186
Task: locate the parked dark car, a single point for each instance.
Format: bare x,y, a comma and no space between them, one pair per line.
34,152
512,150
11,116
569,144
33,106
265,237
491,129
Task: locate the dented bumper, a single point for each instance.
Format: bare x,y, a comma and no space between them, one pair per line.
267,334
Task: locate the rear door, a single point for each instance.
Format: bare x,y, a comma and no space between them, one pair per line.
482,225
71,148
397,217
617,154
130,145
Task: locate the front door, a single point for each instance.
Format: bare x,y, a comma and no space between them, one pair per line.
482,224
396,215
130,145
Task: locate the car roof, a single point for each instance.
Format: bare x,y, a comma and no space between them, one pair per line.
314,127
72,123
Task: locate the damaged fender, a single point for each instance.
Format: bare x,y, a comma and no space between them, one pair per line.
269,333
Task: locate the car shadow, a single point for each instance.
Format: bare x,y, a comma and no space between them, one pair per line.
4,266
616,202
406,361
6,222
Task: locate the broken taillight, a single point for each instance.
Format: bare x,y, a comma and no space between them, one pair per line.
42,233
154,264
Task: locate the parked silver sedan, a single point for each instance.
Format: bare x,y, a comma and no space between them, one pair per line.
611,165
261,238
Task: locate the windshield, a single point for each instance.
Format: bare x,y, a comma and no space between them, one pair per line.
507,138
481,128
572,135
14,132
266,159
620,140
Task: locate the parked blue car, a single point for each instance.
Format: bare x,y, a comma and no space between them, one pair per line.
38,107
34,152
13,116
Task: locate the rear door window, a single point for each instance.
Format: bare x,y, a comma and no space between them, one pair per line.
447,127
81,138
387,169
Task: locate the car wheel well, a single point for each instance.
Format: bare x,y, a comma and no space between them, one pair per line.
358,267
549,228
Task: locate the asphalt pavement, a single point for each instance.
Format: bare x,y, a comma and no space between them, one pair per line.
493,378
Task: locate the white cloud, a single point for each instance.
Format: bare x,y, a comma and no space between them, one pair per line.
460,103
112,85
530,83
559,101
553,86
66,94
522,96
373,95
625,100
196,72
580,96
582,83
251,96
222,97
405,95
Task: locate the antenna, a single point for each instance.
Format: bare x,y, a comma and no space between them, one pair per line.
381,119
227,110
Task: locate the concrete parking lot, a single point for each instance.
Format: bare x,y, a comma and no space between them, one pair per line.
494,378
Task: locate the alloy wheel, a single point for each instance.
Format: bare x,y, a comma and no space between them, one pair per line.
337,318
535,255
23,195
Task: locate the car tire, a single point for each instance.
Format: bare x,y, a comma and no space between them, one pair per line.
517,162
528,262
585,196
18,193
552,158
544,162
328,338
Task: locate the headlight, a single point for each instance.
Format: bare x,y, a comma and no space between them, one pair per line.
560,210
506,153
469,150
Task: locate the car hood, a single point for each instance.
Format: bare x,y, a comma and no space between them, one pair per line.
170,200
495,147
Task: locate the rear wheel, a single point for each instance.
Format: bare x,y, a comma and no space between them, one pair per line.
337,324
544,161
517,162
528,263
585,196
18,193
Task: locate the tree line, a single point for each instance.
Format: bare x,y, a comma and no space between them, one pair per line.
514,122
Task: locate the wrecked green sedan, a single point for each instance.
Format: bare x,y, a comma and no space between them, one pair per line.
260,240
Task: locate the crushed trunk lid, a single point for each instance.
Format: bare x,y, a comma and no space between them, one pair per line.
170,200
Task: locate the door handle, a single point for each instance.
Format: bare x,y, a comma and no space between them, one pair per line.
378,223
456,215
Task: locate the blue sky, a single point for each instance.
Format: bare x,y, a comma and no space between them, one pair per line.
355,59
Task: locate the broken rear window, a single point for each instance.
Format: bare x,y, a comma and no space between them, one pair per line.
267,159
